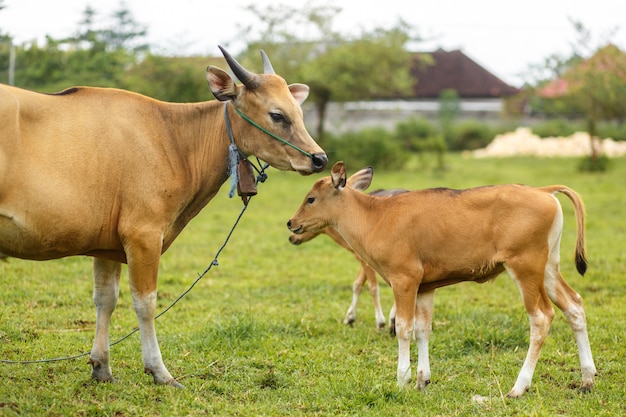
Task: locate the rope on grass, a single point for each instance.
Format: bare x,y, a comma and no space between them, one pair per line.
261,177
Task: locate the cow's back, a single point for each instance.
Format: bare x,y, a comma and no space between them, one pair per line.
70,161
444,226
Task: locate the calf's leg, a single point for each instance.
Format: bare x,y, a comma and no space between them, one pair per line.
365,274
357,287
529,279
571,304
106,290
372,282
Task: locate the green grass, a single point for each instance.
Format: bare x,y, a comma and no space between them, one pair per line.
262,333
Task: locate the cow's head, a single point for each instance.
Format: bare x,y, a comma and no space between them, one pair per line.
269,102
323,204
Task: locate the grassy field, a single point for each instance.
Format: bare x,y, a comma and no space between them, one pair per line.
262,333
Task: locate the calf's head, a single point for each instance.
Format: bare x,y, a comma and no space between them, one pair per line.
324,204
269,102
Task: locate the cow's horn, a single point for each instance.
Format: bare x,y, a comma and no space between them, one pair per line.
249,79
267,65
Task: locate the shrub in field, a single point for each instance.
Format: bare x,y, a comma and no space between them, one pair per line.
374,147
557,128
470,135
615,131
419,135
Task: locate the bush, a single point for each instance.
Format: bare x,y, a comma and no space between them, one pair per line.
600,163
470,135
615,131
370,147
418,135
557,127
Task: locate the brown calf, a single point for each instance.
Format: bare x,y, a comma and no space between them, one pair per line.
366,273
423,240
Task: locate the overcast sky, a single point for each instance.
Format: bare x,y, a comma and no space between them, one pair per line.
503,36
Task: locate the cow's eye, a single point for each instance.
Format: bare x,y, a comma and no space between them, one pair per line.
310,200
277,117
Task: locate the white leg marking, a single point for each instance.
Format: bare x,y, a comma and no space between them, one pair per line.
378,310
423,329
357,287
145,306
105,294
403,333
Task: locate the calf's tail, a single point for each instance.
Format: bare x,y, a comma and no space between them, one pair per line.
580,254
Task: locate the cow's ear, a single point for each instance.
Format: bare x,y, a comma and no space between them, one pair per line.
338,175
299,91
222,85
362,179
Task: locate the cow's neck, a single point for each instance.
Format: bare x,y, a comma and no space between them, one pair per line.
201,144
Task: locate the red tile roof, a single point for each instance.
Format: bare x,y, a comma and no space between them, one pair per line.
455,70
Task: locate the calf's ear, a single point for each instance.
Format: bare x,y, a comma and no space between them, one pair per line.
362,179
338,175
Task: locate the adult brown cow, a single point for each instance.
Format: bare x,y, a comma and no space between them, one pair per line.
116,175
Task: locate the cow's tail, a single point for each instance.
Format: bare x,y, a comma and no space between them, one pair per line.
580,255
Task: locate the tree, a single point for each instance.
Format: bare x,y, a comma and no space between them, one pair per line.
337,67
597,87
589,84
176,79
5,51
95,55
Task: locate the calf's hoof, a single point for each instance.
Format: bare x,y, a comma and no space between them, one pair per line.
421,385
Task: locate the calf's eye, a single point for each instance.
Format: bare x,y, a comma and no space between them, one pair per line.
310,200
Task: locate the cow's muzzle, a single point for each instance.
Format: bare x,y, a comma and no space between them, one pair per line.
319,162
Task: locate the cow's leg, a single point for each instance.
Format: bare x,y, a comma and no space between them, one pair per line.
357,287
404,293
143,265
529,278
571,304
423,328
106,290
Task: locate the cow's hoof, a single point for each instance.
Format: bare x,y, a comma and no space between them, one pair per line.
100,372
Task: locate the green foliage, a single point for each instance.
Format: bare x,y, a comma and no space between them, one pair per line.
262,333
449,109
613,130
566,127
374,147
337,67
594,163
170,79
470,134
420,136
557,127
94,56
